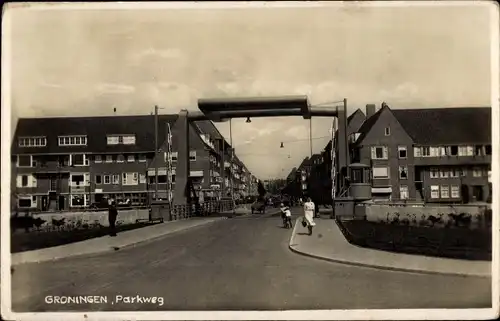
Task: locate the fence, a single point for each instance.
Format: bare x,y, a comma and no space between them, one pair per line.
48,221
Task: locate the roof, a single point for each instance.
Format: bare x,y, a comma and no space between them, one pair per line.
458,125
349,119
368,124
96,129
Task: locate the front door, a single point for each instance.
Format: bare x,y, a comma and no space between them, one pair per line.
477,193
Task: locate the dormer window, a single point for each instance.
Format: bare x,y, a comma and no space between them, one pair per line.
121,139
388,131
33,141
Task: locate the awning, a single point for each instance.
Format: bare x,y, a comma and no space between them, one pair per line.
381,190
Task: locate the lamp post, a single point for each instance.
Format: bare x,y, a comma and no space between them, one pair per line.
231,163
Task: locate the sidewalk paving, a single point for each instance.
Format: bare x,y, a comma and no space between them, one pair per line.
107,243
328,243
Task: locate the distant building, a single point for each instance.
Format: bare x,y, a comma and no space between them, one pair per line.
73,162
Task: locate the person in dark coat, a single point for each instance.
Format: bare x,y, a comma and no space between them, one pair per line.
112,215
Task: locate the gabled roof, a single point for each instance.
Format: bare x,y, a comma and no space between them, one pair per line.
349,119
466,125
96,129
368,124
351,116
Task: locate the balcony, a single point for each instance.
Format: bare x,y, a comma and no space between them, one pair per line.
452,160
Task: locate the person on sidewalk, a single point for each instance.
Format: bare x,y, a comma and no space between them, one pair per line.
309,214
112,215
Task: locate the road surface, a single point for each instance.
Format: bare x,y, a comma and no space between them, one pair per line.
239,263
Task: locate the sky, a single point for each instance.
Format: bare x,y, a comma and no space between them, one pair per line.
72,62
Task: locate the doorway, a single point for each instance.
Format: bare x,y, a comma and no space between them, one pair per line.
61,202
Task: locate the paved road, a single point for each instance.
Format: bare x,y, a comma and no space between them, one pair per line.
240,263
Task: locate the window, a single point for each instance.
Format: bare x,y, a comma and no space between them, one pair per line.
107,179
24,161
142,178
435,151
454,172
402,152
162,179
32,141
120,159
477,172
445,191
380,172
116,179
77,180
109,158
120,139
434,173
487,149
192,155
112,140
426,151
479,150
463,172
466,151
78,200
129,140
454,150
403,192
455,191
98,158
142,158
78,160
24,202
131,158
434,191
387,131
444,173
417,152
130,179
379,152
72,140
98,179
26,181
403,172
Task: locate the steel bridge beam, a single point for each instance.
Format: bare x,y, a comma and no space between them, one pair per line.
219,110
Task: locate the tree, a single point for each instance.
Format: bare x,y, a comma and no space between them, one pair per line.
261,190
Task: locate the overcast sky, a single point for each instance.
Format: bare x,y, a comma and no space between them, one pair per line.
86,62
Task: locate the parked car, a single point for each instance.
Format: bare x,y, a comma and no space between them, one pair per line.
258,206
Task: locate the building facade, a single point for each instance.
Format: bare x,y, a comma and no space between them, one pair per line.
427,155
61,163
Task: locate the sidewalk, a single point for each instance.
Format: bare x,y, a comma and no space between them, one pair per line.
106,243
328,243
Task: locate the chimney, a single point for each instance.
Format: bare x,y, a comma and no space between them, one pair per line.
370,110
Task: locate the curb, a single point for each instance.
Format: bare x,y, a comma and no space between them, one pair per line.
375,266
113,249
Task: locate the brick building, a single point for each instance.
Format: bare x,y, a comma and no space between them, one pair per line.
430,155
60,162
426,155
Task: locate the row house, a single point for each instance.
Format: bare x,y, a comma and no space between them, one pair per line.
71,162
427,155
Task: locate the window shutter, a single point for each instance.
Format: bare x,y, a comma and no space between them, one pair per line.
386,152
374,153
87,179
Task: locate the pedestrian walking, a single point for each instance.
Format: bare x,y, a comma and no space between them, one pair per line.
309,215
112,215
